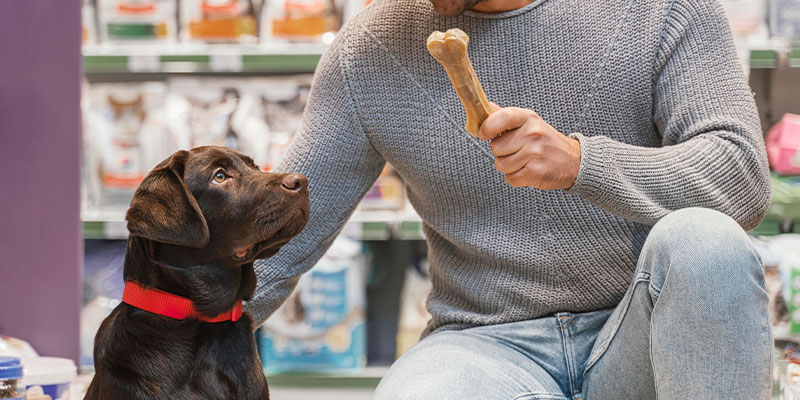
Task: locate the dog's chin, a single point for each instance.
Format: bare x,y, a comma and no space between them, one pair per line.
270,246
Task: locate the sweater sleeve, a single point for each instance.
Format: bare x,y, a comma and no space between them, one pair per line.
712,152
332,150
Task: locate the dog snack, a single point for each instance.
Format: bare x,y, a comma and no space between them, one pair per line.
450,49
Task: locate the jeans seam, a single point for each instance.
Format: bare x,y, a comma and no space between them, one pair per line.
568,353
641,277
654,292
652,359
540,396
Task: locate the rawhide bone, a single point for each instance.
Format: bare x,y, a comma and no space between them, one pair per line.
450,49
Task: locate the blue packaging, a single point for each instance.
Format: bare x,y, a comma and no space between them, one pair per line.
49,378
785,18
11,387
322,325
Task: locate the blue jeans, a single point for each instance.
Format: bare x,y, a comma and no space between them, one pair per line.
693,325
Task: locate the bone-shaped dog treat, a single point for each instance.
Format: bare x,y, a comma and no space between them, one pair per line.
450,49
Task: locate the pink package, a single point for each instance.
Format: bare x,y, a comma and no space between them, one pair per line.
783,145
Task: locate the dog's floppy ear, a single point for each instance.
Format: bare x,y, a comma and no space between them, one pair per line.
164,210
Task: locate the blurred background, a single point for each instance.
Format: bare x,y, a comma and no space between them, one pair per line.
149,77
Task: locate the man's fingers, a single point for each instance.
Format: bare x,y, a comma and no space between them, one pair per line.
511,164
503,120
508,143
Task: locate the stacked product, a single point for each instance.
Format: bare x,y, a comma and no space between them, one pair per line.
299,19
26,375
785,18
414,315
218,21
129,128
137,20
322,324
88,26
214,21
125,135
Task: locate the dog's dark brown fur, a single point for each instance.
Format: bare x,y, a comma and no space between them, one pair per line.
196,237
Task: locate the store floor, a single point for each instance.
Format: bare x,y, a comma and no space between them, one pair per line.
283,393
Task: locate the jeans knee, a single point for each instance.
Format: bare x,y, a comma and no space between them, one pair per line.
699,246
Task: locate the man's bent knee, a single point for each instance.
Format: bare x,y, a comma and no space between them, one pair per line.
700,246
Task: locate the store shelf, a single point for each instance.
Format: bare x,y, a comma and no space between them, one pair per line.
794,58
366,378
783,215
764,59
363,225
181,59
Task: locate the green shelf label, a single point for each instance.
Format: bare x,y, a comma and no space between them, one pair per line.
131,31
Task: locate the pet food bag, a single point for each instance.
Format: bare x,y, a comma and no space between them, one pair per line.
387,193
281,106
137,20
304,20
88,31
745,16
783,143
784,18
321,326
218,112
48,378
780,256
125,136
218,21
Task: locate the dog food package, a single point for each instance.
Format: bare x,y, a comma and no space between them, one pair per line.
783,145
787,371
88,27
780,256
386,194
137,20
784,18
303,20
414,315
280,105
103,284
48,378
218,21
748,23
219,112
125,136
321,326
745,16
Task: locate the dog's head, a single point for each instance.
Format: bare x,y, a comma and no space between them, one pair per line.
215,206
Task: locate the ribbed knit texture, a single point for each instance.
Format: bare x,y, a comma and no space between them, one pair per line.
652,89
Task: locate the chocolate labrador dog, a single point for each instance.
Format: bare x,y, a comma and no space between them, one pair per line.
197,222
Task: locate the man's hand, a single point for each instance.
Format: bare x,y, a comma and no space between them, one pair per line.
529,151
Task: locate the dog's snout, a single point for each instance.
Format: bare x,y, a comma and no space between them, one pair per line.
294,182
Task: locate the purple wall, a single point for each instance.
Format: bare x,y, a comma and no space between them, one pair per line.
40,242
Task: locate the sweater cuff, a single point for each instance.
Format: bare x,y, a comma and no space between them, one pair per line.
591,177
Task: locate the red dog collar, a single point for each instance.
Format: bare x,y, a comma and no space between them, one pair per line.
170,305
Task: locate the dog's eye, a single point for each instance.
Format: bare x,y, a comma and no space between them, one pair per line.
219,177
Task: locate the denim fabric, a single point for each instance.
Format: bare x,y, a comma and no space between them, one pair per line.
693,325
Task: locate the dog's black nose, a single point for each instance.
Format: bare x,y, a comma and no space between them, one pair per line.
294,182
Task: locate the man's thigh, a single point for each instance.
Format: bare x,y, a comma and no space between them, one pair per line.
466,365
619,366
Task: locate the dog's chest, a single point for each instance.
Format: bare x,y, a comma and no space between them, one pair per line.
226,365
157,359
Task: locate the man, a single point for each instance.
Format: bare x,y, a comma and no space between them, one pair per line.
591,243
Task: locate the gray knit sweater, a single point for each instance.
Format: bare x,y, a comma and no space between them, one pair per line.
652,89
